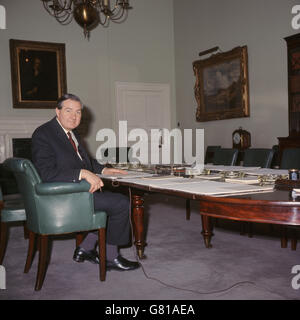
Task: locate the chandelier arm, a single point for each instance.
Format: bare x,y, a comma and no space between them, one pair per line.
62,14
124,17
67,4
115,18
47,8
64,20
103,23
116,7
117,12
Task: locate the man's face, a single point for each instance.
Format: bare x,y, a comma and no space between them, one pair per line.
70,114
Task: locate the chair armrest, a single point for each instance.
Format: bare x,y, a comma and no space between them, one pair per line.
54,188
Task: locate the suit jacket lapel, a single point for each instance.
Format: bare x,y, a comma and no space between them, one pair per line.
59,132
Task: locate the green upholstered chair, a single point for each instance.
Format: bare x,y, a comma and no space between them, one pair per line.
119,152
255,157
12,211
55,209
225,157
275,161
209,154
290,159
7,181
222,156
258,157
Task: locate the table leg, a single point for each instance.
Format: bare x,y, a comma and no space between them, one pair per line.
138,224
206,230
188,209
284,238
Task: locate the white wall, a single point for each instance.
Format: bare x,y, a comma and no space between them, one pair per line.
142,50
259,24
138,50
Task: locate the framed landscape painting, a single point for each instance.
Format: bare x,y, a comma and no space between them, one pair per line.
221,88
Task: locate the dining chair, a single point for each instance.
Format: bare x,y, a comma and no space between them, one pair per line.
222,156
56,208
209,154
12,210
255,157
275,161
121,153
290,159
258,157
225,157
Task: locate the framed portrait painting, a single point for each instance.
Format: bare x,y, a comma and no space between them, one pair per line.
38,73
221,87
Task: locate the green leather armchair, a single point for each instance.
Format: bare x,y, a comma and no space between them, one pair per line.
54,209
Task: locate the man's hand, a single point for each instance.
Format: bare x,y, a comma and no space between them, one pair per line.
95,182
113,171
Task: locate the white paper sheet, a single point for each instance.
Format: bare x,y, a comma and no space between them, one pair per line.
244,180
229,168
206,187
198,186
266,171
129,175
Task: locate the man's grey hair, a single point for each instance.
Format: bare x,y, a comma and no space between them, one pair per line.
68,96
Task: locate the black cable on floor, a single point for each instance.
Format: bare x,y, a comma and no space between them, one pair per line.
171,286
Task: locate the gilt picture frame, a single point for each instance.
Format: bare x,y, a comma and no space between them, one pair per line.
222,86
38,73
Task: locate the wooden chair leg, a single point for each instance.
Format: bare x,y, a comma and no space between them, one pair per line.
3,240
42,262
79,238
102,254
188,209
30,253
26,231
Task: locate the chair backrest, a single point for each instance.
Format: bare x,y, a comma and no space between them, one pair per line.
290,159
27,178
225,156
257,157
7,181
209,154
275,161
119,153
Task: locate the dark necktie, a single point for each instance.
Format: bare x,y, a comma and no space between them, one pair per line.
72,141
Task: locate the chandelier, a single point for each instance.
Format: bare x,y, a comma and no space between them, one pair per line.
88,13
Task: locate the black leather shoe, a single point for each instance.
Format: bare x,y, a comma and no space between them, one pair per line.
80,255
121,264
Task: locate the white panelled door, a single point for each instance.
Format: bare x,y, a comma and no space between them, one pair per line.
144,106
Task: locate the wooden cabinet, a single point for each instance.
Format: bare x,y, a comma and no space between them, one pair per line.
293,58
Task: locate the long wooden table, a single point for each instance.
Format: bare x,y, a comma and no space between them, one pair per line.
277,207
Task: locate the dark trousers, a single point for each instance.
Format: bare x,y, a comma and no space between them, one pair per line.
116,205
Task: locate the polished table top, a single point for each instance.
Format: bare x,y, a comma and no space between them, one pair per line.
275,207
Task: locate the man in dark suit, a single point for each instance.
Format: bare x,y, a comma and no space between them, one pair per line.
58,156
